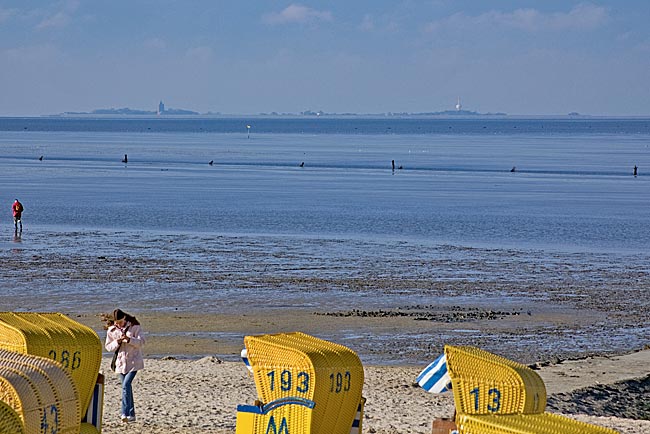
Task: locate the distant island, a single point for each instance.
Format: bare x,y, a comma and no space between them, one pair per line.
162,110
442,113
309,113
132,112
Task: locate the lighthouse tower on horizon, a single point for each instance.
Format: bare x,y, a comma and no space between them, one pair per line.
458,106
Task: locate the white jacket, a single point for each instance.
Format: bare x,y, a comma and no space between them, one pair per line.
129,358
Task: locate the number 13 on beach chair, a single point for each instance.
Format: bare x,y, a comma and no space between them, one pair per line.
495,395
305,385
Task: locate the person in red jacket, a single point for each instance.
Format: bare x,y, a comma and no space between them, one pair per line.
17,208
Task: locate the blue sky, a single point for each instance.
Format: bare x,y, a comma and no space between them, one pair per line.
363,56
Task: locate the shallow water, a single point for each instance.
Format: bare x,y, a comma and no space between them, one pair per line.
570,191
563,303
567,231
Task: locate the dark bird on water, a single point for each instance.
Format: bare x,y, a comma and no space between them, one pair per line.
302,164
40,158
125,159
514,169
211,162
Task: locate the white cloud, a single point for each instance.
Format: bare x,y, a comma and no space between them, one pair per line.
202,54
155,44
367,24
584,16
383,23
5,14
643,46
296,13
34,55
58,20
61,18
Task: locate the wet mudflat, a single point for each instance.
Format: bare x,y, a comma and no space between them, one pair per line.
393,302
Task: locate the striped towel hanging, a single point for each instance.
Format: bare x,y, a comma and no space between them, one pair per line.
244,357
435,378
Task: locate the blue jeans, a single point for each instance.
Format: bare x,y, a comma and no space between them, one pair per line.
128,407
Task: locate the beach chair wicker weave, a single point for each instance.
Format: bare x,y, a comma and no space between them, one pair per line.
297,365
10,422
544,423
88,428
494,395
485,383
55,336
40,392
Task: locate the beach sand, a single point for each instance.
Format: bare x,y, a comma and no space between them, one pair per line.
201,396
182,390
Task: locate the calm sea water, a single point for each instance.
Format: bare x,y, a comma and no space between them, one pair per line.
256,229
572,188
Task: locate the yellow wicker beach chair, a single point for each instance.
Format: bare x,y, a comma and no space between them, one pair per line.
542,423
55,336
42,393
485,383
494,395
88,428
10,422
309,385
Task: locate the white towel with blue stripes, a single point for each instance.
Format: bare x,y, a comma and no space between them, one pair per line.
244,357
435,378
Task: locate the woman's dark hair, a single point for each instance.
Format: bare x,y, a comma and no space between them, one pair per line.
107,318
119,314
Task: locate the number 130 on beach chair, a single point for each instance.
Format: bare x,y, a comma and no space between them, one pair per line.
305,385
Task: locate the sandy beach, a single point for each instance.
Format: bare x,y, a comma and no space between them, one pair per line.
200,396
191,392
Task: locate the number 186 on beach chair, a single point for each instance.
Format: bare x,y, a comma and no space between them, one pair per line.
305,385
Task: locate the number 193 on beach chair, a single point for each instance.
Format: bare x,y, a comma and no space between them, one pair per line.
305,385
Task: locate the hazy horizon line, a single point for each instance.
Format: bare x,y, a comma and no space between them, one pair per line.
313,115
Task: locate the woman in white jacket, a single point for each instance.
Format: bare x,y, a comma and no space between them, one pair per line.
125,336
